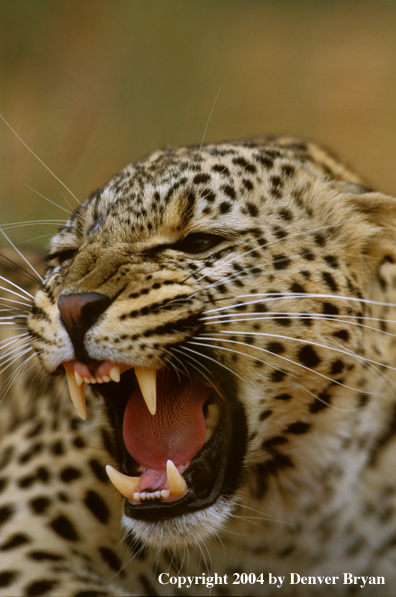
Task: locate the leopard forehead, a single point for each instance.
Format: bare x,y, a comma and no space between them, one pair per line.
219,187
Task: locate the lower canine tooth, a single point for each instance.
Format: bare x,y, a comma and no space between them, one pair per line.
125,485
147,380
76,394
177,484
213,415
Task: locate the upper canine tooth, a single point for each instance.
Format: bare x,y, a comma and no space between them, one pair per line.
147,378
125,485
114,373
176,483
76,394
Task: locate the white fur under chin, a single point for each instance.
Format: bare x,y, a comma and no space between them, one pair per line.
188,529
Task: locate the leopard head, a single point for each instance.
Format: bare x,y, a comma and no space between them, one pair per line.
207,297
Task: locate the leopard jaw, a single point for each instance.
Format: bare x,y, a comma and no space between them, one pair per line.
146,378
177,485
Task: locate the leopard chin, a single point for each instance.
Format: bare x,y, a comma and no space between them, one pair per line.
184,530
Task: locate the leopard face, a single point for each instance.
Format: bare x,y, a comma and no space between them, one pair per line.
214,298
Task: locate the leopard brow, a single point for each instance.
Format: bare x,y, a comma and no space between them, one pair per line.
226,236
57,254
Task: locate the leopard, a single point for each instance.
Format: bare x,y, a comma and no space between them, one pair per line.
199,384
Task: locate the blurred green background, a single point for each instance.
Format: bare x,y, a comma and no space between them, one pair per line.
91,85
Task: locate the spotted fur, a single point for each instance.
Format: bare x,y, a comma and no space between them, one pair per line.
267,268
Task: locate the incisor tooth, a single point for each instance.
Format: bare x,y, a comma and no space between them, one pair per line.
76,394
79,379
125,485
147,380
176,483
114,373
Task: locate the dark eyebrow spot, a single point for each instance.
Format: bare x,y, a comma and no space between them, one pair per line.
96,224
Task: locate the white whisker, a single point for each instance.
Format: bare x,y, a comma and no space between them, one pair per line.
278,356
33,238
210,115
345,319
19,343
37,158
16,286
15,350
7,341
205,356
12,225
13,359
20,370
49,200
19,253
301,341
270,297
26,305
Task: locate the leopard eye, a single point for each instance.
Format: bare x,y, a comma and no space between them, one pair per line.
197,242
62,256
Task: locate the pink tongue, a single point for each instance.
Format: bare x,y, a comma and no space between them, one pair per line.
177,430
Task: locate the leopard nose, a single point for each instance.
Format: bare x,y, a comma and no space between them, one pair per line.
82,309
79,312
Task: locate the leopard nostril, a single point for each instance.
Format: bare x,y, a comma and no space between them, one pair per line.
79,312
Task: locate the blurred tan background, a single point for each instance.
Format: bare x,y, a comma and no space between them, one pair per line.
91,85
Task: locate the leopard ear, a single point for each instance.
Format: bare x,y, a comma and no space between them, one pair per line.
379,212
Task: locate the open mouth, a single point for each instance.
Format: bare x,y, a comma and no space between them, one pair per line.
179,446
